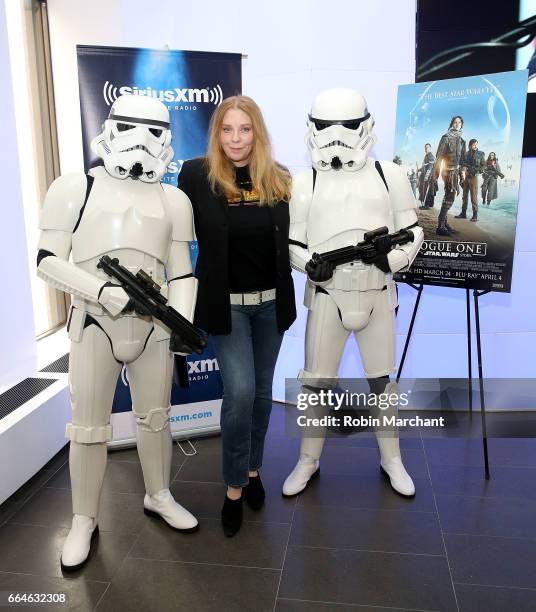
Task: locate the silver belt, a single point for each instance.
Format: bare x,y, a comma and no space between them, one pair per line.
252,298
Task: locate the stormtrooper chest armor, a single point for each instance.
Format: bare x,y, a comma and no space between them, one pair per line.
123,215
345,205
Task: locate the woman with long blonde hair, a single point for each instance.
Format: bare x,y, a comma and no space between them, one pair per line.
239,196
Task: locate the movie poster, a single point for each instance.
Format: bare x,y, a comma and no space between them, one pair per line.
460,142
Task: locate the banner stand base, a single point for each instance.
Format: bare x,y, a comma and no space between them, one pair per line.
177,437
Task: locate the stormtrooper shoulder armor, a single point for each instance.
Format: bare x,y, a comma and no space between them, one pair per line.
61,212
400,191
182,286
63,202
404,206
180,210
300,201
302,192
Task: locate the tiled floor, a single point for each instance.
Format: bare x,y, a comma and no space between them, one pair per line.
346,543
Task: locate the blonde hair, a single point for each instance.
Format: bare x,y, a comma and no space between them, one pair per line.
270,179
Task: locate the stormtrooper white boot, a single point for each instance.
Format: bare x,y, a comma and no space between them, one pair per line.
155,450
162,505
77,545
400,480
297,480
307,467
392,467
391,464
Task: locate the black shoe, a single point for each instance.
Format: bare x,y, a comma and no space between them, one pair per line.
461,216
231,516
441,231
474,219
254,493
451,230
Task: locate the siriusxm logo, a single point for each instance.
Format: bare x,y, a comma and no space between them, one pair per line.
208,95
202,366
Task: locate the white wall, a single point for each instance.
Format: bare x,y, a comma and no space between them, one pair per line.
17,342
296,48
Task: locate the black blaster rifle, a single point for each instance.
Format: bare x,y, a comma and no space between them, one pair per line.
376,242
145,298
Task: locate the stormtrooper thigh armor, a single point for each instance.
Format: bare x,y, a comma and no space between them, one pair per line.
333,316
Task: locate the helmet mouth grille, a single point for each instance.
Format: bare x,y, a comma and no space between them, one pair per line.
336,143
138,148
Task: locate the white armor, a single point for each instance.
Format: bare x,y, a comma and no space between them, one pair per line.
146,225
350,196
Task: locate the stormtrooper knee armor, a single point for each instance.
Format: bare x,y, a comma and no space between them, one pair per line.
345,195
120,209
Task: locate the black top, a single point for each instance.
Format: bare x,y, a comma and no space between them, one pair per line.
251,240
212,220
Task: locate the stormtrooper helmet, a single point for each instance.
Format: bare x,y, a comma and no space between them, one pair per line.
339,133
135,141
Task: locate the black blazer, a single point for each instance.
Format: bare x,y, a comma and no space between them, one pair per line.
213,309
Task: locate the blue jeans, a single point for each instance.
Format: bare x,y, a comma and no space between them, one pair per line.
247,358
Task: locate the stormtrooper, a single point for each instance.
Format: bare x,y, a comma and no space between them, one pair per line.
120,209
345,195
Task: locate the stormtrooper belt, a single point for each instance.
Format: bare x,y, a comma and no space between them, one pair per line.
252,298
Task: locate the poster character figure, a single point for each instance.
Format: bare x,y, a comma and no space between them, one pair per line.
473,165
412,177
449,158
122,210
345,195
427,182
492,172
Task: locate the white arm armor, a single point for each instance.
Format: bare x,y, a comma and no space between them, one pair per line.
182,286
59,217
302,193
404,216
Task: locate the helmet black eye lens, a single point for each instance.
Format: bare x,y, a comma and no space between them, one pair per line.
350,124
123,127
321,125
155,132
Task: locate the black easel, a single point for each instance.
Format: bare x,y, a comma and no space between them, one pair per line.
476,295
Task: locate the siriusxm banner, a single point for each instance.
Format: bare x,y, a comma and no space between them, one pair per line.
191,84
